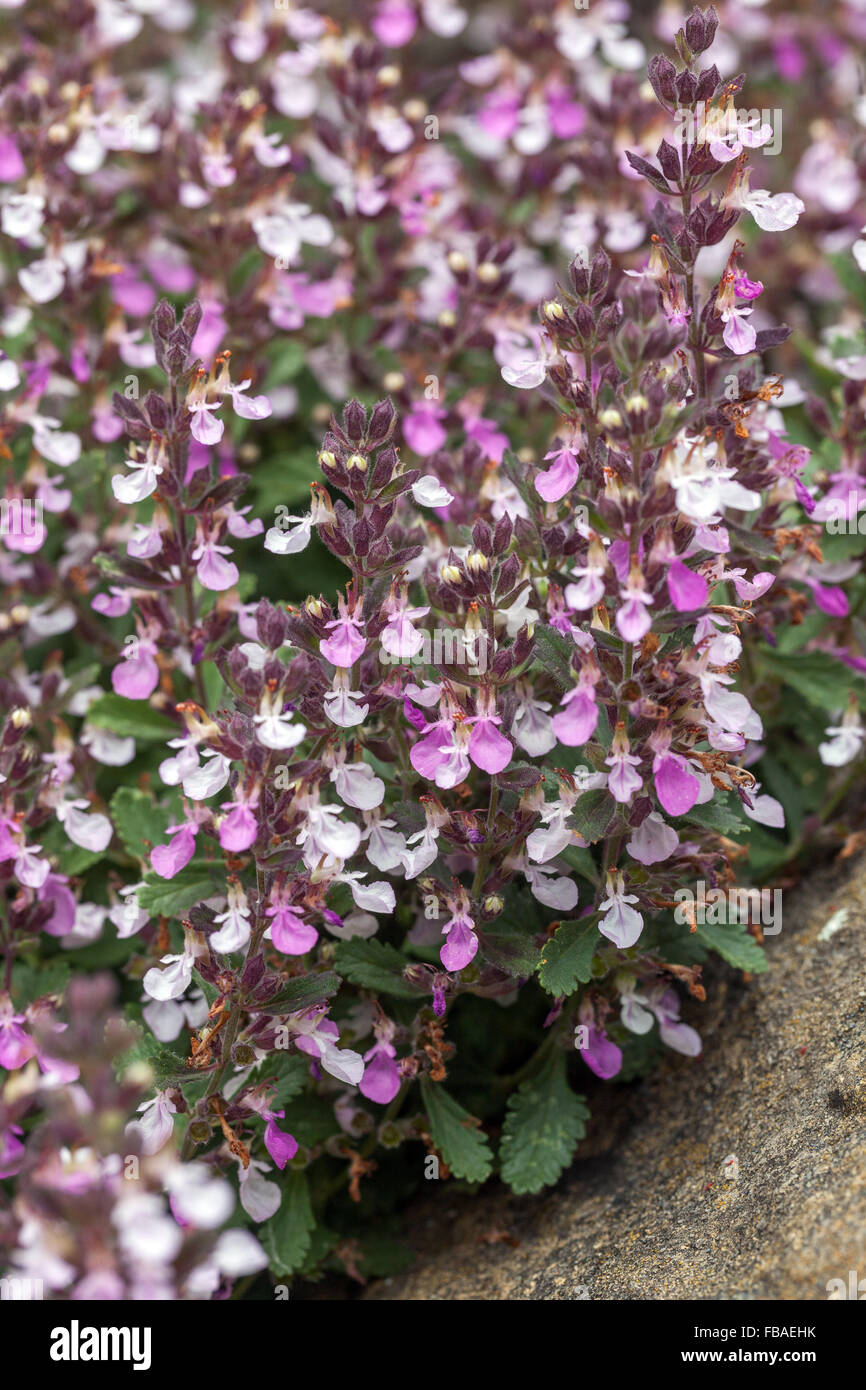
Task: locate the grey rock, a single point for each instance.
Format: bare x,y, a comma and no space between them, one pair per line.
648,1210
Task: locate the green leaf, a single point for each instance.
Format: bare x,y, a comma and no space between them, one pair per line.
544,1122
581,861
463,1146
290,1071
592,814
30,982
715,815
511,950
818,677
374,965
301,993
139,822
168,1066
287,362
131,717
174,896
566,959
286,1236
850,276
735,945
553,653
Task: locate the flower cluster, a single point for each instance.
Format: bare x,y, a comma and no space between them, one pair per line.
414,575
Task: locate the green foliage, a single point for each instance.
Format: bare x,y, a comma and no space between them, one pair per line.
139,822
135,718
735,945
455,1133
544,1123
567,956
286,1236
374,965
172,897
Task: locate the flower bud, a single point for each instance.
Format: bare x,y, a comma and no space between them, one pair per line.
488,273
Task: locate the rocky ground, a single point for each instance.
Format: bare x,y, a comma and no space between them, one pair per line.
653,1208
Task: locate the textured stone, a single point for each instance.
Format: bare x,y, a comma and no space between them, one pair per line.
646,1212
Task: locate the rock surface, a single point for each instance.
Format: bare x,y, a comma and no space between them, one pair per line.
648,1211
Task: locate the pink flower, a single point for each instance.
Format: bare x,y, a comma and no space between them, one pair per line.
136,677
560,478
289,932
248,407
238,831
676,788
213,571
280,1145
461,945
394,23
16,1046
575,723
422,429
347,644
168,860
12,166
688,591
488,748
114,604
205,427
740,337
381,1079
600,1054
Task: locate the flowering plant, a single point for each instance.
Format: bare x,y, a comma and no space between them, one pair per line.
384,870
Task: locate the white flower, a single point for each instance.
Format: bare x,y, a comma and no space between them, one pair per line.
172,982
774,212
43,280
845,740
429,492
91,832
283,232
209,778
274,729
370,897
621,924
140,483
156,1125
22,216
238,1253
236,932
199,1198
357,785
